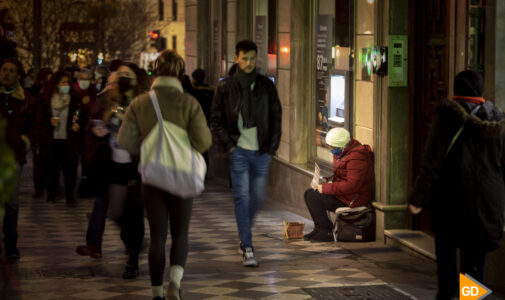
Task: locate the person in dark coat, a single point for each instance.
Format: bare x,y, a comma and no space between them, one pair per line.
38,172
113,170
350,185
204,94
17,108
61,138
461,182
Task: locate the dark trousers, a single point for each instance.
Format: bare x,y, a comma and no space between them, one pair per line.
473,261
38,171
161,205
318,205
131,222
10,222
62,159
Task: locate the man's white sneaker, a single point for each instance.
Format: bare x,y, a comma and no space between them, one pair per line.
248,258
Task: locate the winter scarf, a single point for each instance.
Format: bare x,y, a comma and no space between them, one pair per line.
248,110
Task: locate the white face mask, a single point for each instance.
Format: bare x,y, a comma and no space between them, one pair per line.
84,84
98,86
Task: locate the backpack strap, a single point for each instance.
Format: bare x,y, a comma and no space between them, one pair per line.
458,133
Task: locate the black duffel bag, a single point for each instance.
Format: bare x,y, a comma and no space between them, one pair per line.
355,226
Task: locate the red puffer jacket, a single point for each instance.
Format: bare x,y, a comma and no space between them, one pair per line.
352,181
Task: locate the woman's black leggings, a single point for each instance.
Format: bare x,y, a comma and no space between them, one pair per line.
159,206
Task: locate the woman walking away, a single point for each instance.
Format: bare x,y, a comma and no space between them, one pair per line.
184,111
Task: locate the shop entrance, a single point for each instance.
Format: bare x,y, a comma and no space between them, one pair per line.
431,76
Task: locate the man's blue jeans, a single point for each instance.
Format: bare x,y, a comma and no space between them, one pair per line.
249,174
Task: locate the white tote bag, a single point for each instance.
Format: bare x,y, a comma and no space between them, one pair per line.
168,161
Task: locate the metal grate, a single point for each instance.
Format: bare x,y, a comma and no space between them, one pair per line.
367,292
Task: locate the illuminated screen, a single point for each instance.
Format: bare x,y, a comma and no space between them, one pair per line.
337,96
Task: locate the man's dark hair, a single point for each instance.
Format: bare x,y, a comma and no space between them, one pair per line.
198,75
245,46
19,65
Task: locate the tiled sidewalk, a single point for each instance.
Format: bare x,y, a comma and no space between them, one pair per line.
50,269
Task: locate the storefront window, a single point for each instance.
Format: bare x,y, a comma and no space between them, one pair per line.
334,70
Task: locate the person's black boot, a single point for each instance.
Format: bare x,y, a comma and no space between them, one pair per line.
323,235
131,270
311,234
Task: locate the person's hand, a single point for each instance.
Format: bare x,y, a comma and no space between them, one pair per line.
85,100
99,131
414,209
76,127
55,121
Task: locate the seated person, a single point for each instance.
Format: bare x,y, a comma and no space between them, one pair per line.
350,185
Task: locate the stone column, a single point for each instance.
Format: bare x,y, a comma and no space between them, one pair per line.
191,39
393,131
300,80
203,35
499,89
244,13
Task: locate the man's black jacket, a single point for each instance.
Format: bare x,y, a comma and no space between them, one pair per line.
227,105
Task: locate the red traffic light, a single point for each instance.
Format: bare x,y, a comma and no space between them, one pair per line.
155,34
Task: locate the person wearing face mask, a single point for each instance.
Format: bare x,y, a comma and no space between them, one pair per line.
350,185
64,118
86,93
114,170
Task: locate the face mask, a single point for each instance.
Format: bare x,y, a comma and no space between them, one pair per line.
336,151
84,84
65,89
98,86
124,84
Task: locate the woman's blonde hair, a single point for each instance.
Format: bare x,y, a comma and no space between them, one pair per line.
169,63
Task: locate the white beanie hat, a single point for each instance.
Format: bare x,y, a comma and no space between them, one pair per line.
338,137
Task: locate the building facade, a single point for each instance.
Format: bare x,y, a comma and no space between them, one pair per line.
374,67
166,29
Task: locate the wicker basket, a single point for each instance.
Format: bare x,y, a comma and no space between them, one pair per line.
293,230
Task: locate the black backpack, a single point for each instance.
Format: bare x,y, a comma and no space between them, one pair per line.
355,226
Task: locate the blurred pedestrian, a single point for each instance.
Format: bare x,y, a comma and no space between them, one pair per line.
184,111
204,94
246,120
61,141
29,79
85,92
101,74
461,182
17,108
38,171
42,78
114,170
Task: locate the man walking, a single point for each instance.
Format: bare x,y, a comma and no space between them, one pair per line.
18,110
246,120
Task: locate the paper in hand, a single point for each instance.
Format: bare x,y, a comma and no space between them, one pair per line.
315,179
